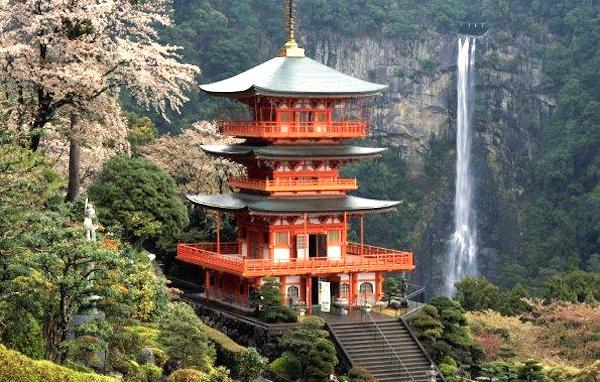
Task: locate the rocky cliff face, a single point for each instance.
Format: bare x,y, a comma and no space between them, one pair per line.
511,105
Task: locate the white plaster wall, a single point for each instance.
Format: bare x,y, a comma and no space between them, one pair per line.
266,253
281,254
366,276
334,252
244,248
292,280
344,277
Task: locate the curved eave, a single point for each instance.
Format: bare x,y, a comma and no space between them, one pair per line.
293,77
339,152
257,91
263,205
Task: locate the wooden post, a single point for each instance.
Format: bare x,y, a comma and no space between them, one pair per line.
362,235
309,294
218,233
282,289
206,283
345,235
350,291
306,246
378,286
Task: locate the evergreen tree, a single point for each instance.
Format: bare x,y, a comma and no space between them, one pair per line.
136,196
321,360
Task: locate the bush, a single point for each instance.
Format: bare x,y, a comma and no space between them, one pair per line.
270,303
227,350
300,340
151,372
218,374
287,367
250,364
322,360
181,334
15,367
186,375
138,197
358,374
160,357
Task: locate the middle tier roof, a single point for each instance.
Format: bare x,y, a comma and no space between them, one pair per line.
283,152
265,205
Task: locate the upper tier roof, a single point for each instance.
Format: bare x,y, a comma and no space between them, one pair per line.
265,205
293,151
294,77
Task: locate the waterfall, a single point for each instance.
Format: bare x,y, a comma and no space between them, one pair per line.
462,254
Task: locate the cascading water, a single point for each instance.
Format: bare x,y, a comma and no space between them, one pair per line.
462,254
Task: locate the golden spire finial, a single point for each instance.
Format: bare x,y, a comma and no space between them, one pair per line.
291,48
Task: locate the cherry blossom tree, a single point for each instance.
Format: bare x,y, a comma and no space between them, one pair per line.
181,157
64,54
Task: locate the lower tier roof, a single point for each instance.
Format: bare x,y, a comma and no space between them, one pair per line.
293,151
265,205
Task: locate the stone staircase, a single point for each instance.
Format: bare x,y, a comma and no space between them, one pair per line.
386,348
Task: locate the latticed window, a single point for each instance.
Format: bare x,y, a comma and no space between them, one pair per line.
301,241
293,291
333,236
366,288
344,289
281,239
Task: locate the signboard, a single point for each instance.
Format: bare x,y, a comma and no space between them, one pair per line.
325,296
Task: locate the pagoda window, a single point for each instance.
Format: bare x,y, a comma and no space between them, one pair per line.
366,288
282,239
344,289
333,237
293,291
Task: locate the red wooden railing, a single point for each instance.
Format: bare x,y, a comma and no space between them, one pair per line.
374,259
295,130
279,185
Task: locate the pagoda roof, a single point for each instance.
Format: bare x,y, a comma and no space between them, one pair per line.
293,151
265,205
293,77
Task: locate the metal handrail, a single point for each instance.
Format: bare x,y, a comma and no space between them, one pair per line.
389,345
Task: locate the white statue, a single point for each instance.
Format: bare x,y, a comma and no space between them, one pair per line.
88,221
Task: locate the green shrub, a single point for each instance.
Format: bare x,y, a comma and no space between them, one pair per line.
186,375
136,196
250,364
160,357
23,334
151,372
359,374
218,374
227,349
15,367
322,360
183,338
287,367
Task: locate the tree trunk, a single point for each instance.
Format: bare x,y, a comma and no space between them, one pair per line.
74,158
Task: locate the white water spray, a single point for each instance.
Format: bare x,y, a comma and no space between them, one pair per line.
462,254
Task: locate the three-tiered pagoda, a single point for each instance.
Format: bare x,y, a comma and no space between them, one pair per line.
292,209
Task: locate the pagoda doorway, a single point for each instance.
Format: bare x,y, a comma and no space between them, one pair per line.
317,245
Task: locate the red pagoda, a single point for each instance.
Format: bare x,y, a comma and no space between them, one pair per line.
292,209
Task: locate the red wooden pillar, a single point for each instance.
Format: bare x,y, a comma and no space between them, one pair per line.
350,291
218,227
345,235
206,283
308,294
378,286
282,288
355,288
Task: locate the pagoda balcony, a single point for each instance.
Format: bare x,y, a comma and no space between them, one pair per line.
294,130
297,185
359,258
